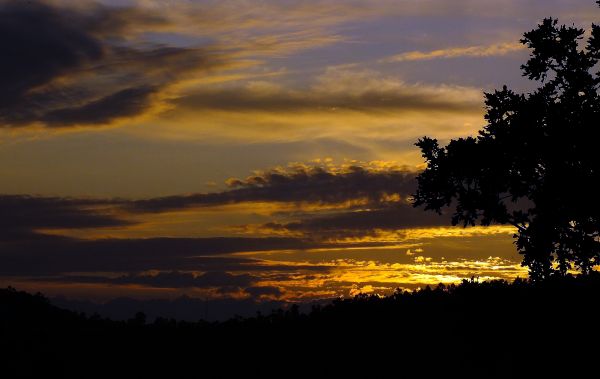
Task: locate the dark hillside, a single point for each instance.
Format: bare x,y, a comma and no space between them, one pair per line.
490,329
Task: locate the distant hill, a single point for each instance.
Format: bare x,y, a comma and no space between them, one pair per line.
483,330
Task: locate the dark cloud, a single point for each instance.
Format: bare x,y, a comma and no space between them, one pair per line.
175,279
314,100
26,251
223,282
167,279
302,184
82,65
55,255
270,291
127,102
24,215
363,222
38,45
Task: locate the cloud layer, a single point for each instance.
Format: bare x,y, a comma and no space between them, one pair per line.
326,196
90,64
331,226
78,66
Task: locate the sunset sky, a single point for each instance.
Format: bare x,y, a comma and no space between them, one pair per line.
257,150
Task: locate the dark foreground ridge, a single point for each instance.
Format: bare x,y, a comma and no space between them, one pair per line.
489,329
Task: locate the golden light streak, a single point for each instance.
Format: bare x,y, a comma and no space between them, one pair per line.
349,275
456,52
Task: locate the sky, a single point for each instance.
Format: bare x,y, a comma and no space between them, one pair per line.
246,151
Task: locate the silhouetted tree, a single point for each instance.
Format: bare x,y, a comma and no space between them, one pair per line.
535,165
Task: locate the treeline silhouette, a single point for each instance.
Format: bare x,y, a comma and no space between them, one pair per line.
487,329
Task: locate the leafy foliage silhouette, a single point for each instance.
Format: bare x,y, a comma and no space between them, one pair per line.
535,164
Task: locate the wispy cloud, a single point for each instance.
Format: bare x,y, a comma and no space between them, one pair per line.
458,52
348,104
335,91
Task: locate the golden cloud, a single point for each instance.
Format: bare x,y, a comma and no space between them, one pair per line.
458,52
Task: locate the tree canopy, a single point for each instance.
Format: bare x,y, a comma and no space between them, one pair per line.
535,164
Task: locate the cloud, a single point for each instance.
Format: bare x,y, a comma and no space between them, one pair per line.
336,90
313,206
316,185
313,200
323,183
362,108
83,65
39,44
166,279
70,63
391,216
265,291
458,52
26,248
409,98
124,103
235,20
24,215
55,255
